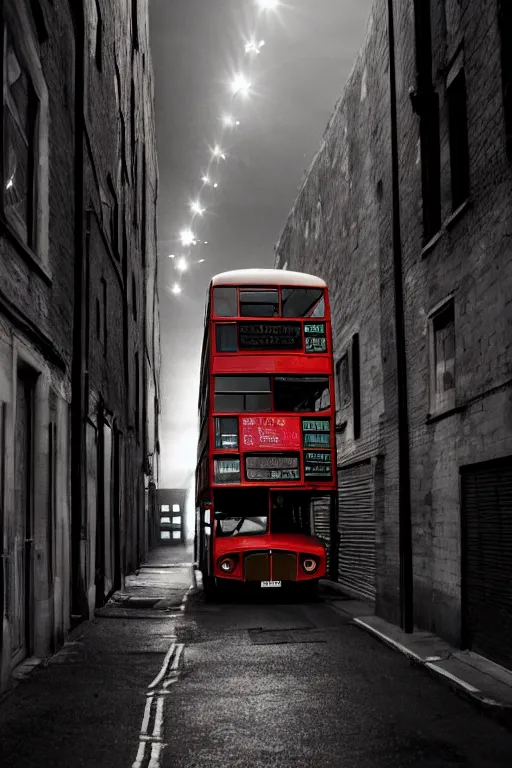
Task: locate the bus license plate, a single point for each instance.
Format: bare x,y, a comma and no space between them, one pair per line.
270,583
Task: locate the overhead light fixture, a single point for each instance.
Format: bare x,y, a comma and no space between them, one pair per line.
240,84
187,237
176,289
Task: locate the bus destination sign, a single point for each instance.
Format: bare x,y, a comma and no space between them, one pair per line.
272,467
270,336
270,432
315,425
318,464
315,337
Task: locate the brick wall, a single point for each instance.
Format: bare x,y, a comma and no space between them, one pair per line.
340,229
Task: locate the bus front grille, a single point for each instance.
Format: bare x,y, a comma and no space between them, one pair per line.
257,566
284,566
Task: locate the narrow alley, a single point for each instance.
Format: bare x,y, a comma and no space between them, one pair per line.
161,677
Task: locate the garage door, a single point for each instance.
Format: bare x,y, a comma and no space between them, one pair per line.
487,560
356,521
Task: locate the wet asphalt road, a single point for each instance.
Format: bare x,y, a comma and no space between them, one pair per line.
256,682
296,684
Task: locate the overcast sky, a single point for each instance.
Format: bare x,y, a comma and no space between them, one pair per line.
197,45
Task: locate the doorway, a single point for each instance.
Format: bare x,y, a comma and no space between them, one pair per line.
22,555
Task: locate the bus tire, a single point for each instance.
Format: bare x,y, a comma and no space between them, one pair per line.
209,588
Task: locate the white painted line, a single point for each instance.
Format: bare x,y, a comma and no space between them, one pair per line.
176,660
388,640
156,750
141,752
164,666
159,718
453,678
147,715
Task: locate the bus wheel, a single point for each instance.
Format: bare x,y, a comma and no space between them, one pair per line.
209,588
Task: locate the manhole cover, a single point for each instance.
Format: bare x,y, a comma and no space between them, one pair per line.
283,636
141,602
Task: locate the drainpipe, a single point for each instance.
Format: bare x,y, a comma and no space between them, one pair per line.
404,498
78,369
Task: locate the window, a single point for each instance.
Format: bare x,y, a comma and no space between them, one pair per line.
426,105
176,534
240,512
165,521
226,432
505,24
226,338
225,302
303,302
165,534
176,521
135,25
356,387
235,394
96,39
459,149
443,359
134,298
226,470
20,152
343,380
175,507
301,393
164,508
259,303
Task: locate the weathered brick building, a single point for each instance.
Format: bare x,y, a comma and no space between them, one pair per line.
429,225
79,335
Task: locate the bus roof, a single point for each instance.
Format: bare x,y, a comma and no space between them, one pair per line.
257,277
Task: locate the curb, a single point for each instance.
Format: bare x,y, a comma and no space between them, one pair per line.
499,711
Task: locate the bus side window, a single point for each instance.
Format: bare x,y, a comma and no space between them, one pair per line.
225,302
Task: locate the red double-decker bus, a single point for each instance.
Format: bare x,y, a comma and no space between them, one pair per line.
266,471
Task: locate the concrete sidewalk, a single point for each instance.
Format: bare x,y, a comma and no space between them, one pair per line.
486,684
83,706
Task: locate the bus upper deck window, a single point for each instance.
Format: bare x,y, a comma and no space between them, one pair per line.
225,302
259,303
303,302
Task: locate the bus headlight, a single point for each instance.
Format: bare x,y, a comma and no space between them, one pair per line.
309,563
227,564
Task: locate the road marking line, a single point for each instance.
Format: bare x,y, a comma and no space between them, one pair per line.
157,697
140,755
147,714
162,672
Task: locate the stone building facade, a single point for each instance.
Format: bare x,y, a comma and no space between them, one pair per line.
79,335
453,176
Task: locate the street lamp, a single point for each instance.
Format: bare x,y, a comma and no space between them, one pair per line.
240,85
187,237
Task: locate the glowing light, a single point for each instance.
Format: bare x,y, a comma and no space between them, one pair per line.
197,207
240,84
253,47
200,261
268,5
206,179
187,237
182,265
176,289
171,255
230,121
10,183
218,153
215,185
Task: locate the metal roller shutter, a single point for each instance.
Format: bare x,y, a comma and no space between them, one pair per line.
487,560
356,523
321,508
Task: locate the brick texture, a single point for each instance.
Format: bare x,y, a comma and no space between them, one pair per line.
340,229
